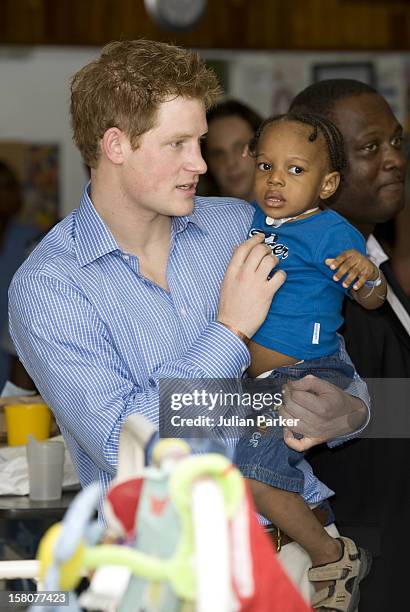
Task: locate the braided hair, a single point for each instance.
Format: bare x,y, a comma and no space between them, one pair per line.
331,134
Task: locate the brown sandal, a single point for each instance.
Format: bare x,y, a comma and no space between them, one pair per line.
352,567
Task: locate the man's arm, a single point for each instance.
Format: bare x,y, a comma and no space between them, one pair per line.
68,351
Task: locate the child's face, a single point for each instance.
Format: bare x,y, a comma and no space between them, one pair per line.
292,173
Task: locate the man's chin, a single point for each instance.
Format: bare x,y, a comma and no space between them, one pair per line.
184,208
389,208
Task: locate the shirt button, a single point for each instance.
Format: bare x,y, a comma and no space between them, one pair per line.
126,257
183,312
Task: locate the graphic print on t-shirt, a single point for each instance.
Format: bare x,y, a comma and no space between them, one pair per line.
280,250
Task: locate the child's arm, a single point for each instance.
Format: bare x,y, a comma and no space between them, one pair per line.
369,287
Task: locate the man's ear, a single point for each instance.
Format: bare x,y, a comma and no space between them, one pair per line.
113,145
330,184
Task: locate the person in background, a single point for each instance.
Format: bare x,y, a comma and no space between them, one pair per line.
231,125
401,250
370,476
16,240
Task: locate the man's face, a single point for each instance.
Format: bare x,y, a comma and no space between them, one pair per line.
225,144
161,175
372,190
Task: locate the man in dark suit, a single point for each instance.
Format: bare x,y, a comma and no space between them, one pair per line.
370,476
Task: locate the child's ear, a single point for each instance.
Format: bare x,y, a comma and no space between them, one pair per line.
329,185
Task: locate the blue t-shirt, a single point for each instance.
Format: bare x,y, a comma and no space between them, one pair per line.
306,311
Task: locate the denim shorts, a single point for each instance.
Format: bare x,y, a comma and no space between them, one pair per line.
262,454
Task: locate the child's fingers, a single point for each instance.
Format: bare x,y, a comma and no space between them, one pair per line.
335,262
347,267
366,273
351,277
359,283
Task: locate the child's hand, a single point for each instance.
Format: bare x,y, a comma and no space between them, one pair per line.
356,267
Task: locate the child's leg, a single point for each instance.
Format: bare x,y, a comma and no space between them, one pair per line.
289,512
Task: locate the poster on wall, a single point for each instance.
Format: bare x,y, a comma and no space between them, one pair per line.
265,82
360,71
268,82
37,167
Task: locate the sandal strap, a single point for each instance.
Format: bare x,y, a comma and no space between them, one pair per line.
317,574
348,564
351,567
328,599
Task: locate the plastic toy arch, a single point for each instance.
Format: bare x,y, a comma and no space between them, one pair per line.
178,570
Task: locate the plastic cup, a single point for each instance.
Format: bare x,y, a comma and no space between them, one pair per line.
45,469
25,419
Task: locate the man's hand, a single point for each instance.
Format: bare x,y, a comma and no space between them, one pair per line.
324,411
246,292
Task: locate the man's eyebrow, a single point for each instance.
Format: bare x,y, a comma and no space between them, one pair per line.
376,132
181,136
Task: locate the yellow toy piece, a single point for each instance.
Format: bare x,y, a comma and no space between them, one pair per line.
70,571
170,448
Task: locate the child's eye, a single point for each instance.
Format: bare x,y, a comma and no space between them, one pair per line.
372,146
264,166
295,170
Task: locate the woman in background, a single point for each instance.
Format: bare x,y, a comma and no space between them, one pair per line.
231,125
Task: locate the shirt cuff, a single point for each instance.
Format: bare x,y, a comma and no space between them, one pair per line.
359,390
219,353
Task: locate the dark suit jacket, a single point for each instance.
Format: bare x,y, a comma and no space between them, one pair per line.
371,477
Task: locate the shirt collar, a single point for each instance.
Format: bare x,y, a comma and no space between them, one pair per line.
179,224
375,251
94,239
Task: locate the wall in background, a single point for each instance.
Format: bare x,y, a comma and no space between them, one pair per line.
236,24
35,91
34,106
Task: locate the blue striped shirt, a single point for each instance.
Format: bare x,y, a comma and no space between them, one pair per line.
96,336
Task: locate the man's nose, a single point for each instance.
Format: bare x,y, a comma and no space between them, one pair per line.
394,158
196,162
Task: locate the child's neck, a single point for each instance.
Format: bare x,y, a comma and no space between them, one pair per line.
303,215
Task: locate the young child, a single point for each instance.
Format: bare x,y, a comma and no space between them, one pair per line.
299,159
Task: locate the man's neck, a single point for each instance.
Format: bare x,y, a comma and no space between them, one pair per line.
364,228
136,231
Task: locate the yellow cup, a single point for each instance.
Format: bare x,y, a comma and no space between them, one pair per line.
25,419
